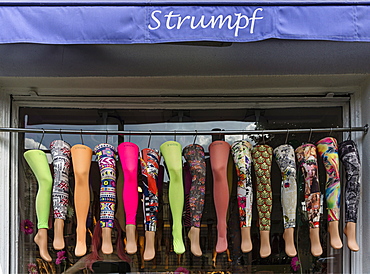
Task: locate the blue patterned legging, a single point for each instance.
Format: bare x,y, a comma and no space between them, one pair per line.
107,164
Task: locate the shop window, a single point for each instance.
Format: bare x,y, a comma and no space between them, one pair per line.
166,260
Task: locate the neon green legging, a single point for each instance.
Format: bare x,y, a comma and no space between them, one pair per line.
172,154
38,163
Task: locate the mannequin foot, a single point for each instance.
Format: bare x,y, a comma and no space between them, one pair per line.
178,243
316,248
246,245
41,239
265,249
193,235
149,251
131,246
58,242
333,230
106,235
80,248
289,242
350,232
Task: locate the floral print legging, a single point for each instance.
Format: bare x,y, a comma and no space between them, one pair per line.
241,151
285,158
106,154
307,161
194,155
149,162
328,150
262,158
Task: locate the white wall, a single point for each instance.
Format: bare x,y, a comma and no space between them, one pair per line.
5,184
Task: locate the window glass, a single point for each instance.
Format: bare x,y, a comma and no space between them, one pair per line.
166,260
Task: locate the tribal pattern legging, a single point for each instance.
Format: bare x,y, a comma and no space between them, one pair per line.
61,155
149,162
307,161
349,156
194,155
106,154
262,158
285,158
241,151
328,150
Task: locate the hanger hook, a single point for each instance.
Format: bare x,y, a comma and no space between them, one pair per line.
287,135
331,131
42,138
349,133
82,139
263,136
106,137
60,133
174,136
196,135
309,137
150,138
129,136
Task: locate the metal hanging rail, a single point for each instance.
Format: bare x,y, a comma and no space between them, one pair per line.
175,132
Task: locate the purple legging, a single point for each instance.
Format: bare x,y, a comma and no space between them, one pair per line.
129,154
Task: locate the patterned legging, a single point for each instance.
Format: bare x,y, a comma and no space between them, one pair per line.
262,158
349,156
285,158
307,161
61,154
107,164
328,150
149,162
241,151
194,155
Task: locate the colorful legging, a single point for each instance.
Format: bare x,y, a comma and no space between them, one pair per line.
129,154
149,162
241,151
307,161
262,158
350,158
171,152
328,150
61,154
285,158
105,154
38,163
194,155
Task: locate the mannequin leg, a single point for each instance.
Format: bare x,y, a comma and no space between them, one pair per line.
285,159
307,160
328,150
194,155
349,156
81,160
38,163
129,154
61,154
149,162
171,152
107,165
219,155
262,158
241,151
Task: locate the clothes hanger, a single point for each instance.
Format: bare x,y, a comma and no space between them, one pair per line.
42,138
287,135
150,138
82,139
196,135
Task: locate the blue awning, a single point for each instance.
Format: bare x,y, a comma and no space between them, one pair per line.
141,22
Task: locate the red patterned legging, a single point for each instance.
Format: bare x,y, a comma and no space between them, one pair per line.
262,158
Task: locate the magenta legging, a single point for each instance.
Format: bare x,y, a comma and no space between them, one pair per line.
129,156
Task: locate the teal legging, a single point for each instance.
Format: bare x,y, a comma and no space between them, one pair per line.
38,163
172,154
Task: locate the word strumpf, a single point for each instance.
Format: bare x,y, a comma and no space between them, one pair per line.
235,22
